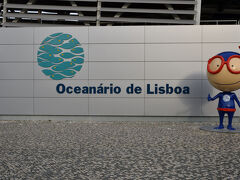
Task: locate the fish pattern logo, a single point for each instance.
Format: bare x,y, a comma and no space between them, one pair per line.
61,56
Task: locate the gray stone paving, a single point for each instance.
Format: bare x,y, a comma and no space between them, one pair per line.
116,150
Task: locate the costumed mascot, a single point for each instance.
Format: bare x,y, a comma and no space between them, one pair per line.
223,71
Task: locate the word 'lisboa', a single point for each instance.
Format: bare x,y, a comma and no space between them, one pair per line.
131,89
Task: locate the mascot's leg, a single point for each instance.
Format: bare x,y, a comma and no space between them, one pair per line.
221,116
230,117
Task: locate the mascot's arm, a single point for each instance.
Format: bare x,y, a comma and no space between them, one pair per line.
236,99
212,99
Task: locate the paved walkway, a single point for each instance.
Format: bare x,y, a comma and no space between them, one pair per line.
116,150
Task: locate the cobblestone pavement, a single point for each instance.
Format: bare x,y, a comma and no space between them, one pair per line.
116,150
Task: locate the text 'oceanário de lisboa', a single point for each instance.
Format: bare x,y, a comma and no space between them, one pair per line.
115,89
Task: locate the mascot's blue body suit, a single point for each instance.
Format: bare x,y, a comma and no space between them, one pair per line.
226,104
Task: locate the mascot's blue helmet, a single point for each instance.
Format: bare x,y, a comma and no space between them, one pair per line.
227,54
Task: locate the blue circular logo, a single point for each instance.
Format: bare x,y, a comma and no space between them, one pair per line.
61,56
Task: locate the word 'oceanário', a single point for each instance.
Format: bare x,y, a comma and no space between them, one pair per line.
61,88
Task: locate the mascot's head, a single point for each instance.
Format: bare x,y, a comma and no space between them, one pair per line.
223,71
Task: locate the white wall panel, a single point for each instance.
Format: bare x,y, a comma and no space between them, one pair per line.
16,36
123,84
16,53
15,106
81,75
172,34
16,70
204,70
211,49
173,106
223,33
116,34
116,106
61,106
16,88
173,70
116,52
116,70
47,88
173,52
81,34
173,89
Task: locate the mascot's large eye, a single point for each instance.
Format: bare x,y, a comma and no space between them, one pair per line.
214,64
234,64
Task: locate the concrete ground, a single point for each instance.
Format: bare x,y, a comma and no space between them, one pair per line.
116,150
